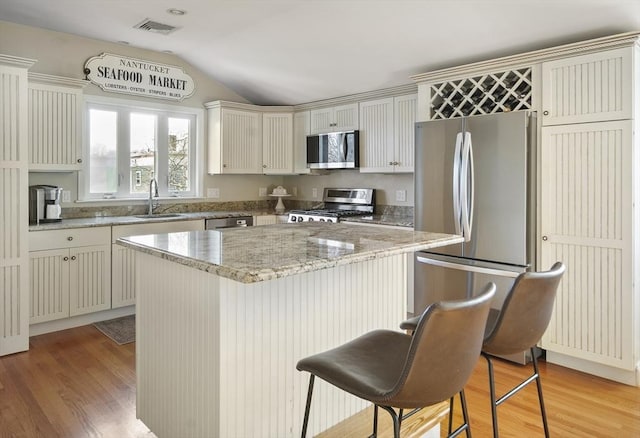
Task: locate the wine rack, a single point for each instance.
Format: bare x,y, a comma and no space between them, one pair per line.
485,94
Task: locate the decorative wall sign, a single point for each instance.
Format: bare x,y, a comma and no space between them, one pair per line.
120,74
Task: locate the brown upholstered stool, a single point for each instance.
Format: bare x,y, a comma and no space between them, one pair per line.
395,370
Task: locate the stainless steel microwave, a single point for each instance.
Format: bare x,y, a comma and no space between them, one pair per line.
335,150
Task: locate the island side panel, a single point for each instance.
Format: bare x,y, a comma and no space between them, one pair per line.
267,327
177,348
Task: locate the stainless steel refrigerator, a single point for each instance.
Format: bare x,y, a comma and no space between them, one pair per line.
474,177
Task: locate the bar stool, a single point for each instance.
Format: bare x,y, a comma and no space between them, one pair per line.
395,370
518,327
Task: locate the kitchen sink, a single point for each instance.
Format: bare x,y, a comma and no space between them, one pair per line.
158,215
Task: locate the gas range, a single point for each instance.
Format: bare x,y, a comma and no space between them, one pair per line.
338,203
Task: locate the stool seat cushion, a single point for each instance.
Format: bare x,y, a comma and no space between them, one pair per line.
367,366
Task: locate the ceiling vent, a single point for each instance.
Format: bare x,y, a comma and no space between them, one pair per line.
154,26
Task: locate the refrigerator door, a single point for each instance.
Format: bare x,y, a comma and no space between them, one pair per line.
473,182
437,179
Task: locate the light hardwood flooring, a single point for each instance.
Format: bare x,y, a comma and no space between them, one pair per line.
78,383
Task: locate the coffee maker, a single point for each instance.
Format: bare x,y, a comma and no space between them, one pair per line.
44,204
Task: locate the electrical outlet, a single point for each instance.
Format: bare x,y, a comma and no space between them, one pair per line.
262,191
314,193
66,196
213,192
401,195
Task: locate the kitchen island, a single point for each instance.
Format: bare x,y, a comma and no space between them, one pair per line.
224,316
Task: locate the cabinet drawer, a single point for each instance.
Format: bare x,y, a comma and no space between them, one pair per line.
156,228
50,239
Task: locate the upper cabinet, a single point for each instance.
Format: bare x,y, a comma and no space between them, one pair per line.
333,119
277,143
55,123
588,88
249,139
235,140
301,129
387,134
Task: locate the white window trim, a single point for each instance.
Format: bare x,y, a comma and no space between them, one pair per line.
83,180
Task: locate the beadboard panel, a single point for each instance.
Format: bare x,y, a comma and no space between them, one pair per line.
54,126
376,135
89,279
210,349
593,87
49,285
405,116
277,143
586,196
123,267
14,257
241,131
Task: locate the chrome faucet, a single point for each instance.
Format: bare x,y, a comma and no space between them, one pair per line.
152,193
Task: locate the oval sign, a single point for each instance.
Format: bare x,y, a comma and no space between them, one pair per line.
120,74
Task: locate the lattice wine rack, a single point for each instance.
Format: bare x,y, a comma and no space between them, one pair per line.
486,94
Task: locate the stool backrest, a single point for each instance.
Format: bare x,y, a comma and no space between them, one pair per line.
444,351
526,312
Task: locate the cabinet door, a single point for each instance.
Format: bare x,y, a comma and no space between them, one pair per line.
345,117
49,285
123,268
301,128
322,120
588,88
376,136
586,222
89,279
277,143
55,127
241,133
268,219
404,132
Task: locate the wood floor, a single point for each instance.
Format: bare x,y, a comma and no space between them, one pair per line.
78,383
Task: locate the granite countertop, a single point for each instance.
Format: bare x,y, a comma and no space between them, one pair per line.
253,254
383,219
107,221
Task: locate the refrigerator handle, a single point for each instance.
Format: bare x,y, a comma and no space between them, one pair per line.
468,187
461,267
457,213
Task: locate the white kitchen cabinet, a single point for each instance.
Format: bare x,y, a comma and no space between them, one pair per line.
265,219
301,129
235,140
70,272
123,263
587,222
334,119
55,123
277,143
387,133
587,88
14,163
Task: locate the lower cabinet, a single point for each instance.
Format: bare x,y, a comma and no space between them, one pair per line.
123,291
70,273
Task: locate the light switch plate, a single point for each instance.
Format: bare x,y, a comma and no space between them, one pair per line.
314,193
262,191
294,191
213,192
401,195
66,196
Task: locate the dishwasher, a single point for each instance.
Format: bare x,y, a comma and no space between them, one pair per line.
228,222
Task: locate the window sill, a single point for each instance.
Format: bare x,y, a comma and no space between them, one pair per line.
177,199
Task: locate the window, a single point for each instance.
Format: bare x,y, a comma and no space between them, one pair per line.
129,146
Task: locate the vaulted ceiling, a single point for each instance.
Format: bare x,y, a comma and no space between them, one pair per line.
297,51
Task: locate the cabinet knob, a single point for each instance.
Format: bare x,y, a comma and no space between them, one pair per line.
79,160
65,259
264,166
70,238
73,257
546,113
224,165
545,238
390,163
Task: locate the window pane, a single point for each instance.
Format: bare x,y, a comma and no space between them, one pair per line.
103,132
179,155
143,151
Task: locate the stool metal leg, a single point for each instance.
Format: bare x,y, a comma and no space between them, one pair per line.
540,398
305,422
396,421
492,391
